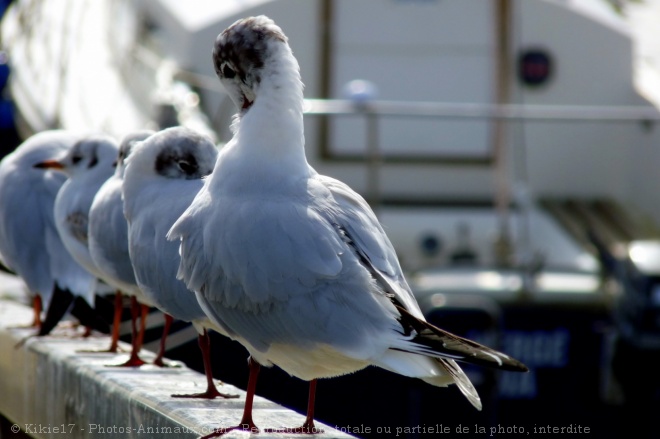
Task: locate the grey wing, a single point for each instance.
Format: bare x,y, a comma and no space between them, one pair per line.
156,264
108,236
155,259
252,253
68,273
269,287
194,269
27,200
370,242
379,257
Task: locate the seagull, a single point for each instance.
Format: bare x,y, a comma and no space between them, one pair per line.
108,247
163,175
295,265
29,242
88,164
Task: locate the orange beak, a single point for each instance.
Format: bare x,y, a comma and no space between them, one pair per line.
49,164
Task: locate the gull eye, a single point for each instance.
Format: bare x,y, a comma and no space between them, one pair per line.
186,167
75,159
228,72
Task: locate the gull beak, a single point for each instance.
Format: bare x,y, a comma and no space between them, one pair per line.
246,103
49,164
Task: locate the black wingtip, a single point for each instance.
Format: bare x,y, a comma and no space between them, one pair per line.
88,316
58,306
511,364
61,302
434,340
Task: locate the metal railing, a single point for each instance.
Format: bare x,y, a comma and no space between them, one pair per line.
549,113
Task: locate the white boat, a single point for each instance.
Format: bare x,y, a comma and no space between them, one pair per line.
509,147
450,129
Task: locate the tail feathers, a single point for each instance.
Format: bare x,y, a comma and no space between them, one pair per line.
435,371
415,366
462,381
435,342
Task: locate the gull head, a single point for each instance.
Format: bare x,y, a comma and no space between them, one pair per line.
241,56
89,153
176,153
126,146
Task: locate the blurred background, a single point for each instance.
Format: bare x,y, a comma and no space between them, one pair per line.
509,147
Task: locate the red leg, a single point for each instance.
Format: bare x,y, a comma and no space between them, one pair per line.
246,424
36,319
88,332
134,360
211,391
144,311
309,420
163,341
37,306
308,427
116,322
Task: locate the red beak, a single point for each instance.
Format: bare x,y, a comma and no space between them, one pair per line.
49,164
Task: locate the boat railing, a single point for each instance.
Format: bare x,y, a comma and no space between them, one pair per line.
513,112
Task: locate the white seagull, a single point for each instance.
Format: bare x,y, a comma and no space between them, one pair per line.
163,175
108,246
293,264
29,242
88,164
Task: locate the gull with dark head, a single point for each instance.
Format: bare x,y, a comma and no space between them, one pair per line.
87,164
163,175
108,230
293,264
108,247
29,242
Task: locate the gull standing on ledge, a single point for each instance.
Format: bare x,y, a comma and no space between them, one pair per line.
108,247
293,264
29,242
88,164
163,175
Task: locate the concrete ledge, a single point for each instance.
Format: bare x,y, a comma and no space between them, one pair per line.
50,390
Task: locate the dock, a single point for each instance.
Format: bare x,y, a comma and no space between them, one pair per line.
49,388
